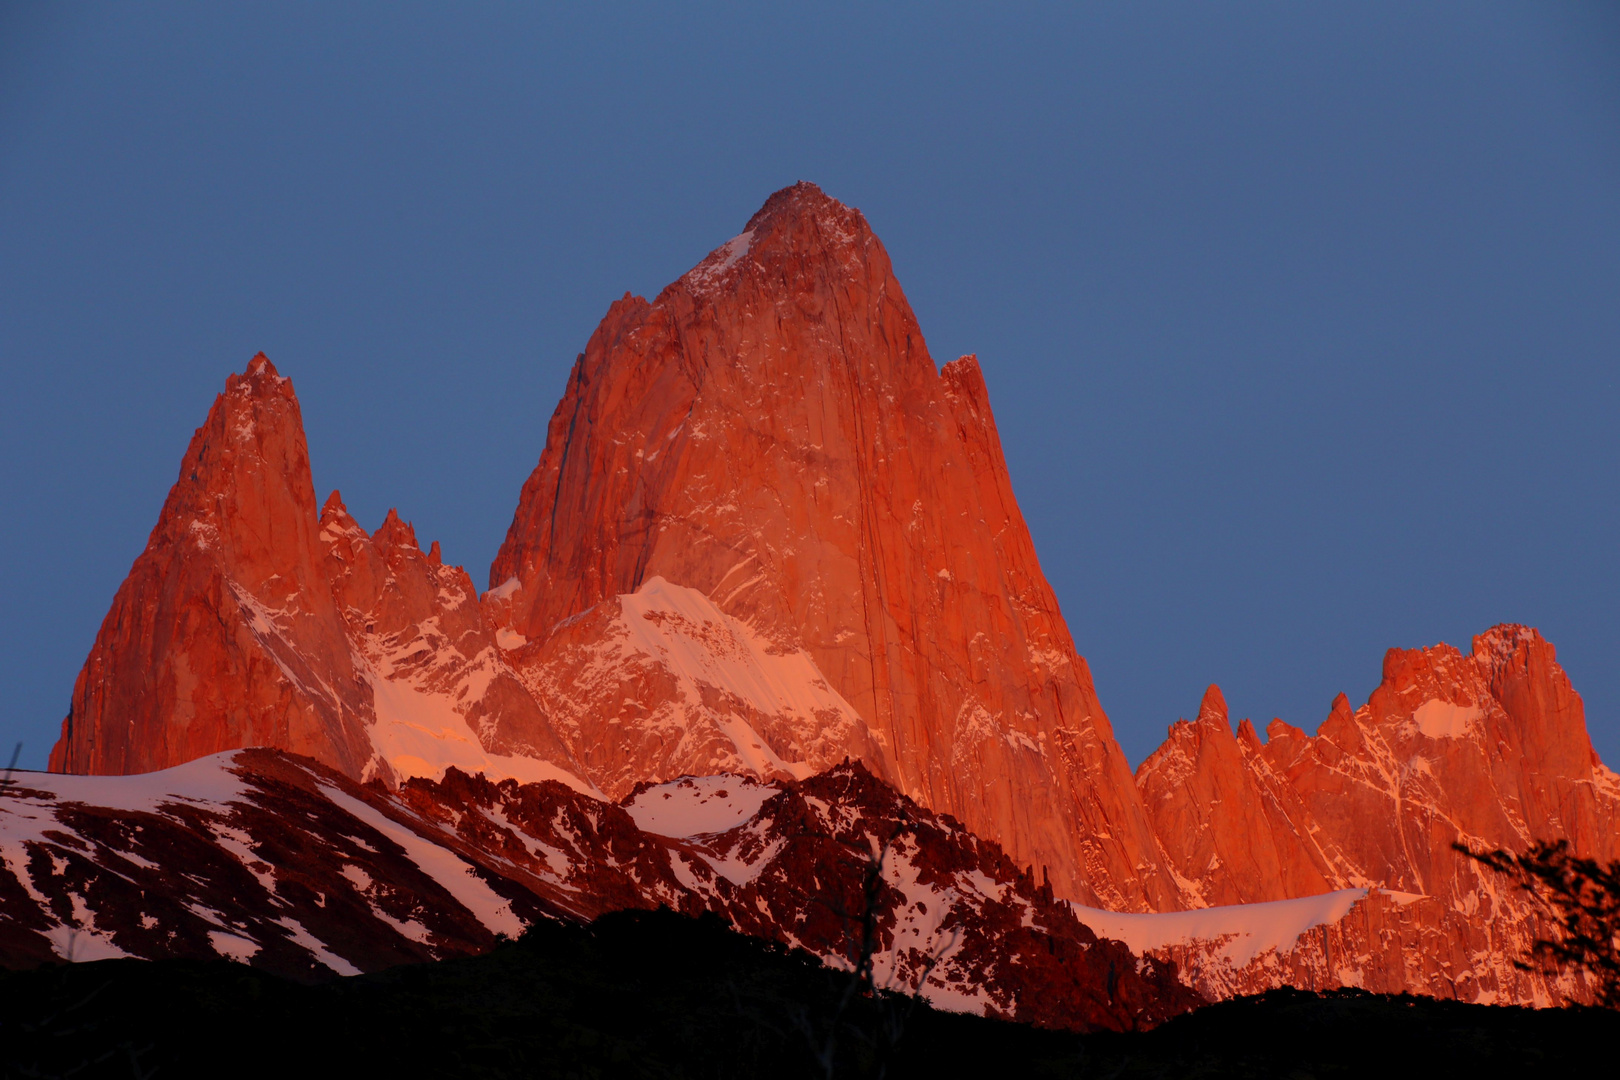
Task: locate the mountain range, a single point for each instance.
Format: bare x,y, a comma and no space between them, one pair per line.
767,637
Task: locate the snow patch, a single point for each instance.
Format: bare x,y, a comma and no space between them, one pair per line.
316,947
83,944
457,875
721,259
239,844
504,589
734,249
699,644
420,733
739,870
696,805
1443,720
556,861
1251,928
233,946
206,781
920,930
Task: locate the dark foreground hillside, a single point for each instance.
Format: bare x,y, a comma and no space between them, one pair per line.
641,994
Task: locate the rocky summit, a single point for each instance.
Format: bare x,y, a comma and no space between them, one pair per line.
767,608
772,433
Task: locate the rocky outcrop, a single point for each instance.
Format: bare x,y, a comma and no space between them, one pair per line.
283,864
1231,837
1374,939
442,691
251,621
1489,749
225,633
771,433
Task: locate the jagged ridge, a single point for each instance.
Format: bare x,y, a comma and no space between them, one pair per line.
289,866
765,534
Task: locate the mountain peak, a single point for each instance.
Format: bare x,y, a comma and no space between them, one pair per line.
195,654
804,203
1212,710
1505,640
771,433
396,532
261,365
804,221
800,237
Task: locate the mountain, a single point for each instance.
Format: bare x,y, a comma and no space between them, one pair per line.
768,538
224,634
278,861
771,439
249,620
772,433
1489,749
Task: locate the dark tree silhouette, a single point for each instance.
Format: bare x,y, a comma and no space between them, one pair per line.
5,784
1583,895
888,1008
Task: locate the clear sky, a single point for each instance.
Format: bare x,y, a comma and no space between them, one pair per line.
1301,321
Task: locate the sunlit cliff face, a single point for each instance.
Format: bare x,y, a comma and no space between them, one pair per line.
766,534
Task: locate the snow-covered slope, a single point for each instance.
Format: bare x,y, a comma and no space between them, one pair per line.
695,805
1238,932
661,683
284,864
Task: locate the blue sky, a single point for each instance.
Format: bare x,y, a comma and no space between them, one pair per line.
1301,321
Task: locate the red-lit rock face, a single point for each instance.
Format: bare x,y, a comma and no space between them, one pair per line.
1489,749
660,683
248,621
442,691
772,433
224,634
1224,829
765,534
